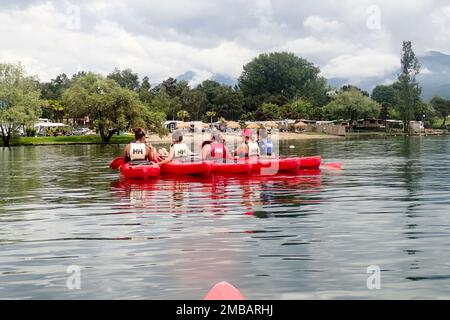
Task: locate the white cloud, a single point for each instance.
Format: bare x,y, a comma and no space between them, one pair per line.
312,45
362,64
163,39
38,37
317,23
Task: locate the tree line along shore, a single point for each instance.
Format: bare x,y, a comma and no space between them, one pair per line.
273,86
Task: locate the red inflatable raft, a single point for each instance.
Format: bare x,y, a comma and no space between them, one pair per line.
190,168
139,171
273,166
231,167
309,162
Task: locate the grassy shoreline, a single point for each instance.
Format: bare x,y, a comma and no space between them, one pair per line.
63,140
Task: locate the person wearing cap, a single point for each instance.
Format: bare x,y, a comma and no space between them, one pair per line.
178,150
138,151
216,150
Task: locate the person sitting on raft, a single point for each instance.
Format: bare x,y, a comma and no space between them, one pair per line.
138,151
249,146
216,149
253,147
265,145
178,150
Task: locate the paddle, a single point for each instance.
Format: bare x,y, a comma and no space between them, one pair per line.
336,165
116,163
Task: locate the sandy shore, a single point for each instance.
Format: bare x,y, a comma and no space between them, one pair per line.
199,137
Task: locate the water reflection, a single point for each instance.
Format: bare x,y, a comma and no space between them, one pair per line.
215,194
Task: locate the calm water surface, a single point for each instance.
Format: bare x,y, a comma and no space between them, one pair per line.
286,237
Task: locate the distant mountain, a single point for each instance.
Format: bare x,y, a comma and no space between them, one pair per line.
225,80
187,76
434,77
190,76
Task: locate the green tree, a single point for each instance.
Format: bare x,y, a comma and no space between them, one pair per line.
408,90
183,115
193,101
386,97
108,105
211,115
153,121
224,100
161,102
53,90
349,87
281,73
169,86
248,116
442,107
268,111
300,109
125,78
56,109
351,105
145,91
20,102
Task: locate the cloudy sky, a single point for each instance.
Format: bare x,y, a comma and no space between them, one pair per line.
347,38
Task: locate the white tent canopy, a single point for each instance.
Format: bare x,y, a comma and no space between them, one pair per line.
41,126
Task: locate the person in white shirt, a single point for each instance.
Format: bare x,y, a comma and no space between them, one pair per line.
178,151
253,147
138,151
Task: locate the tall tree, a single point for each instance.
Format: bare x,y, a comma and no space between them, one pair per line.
145,91
386,97
224,100
125,78
108,105
281,73
194,101
20,102
53,90
170,87
408,94
442,107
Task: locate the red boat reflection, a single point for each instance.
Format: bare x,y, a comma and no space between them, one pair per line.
215,195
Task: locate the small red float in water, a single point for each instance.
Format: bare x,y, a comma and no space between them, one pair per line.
224,291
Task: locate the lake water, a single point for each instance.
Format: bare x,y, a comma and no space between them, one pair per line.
303,236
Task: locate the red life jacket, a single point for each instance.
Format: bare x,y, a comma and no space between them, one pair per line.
218,151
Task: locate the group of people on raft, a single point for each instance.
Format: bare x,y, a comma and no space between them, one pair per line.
214,149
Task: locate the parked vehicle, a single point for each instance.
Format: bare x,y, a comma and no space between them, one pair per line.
80,132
